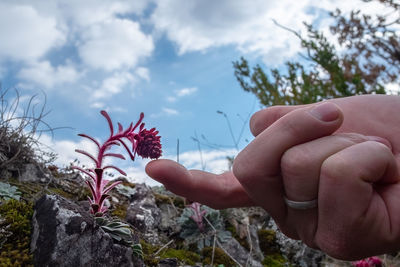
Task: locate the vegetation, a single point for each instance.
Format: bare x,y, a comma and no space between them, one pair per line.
20,127
15,232
368,59
153,254
213,228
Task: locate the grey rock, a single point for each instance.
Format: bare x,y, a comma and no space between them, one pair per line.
241,255
144,214
296,251
33,173
168,222
64,234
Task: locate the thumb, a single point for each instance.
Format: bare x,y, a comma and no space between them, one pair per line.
264,118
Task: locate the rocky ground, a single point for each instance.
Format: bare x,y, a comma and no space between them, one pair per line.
44,221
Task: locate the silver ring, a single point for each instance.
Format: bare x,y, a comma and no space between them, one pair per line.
301,205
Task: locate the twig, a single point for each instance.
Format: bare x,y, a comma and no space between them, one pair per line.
219,244
196,139
226,252
250,243
213,251
166,245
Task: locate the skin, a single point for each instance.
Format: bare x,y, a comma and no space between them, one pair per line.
344,152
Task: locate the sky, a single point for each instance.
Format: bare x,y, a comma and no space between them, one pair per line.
171,59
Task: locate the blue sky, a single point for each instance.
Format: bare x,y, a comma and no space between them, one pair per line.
171,59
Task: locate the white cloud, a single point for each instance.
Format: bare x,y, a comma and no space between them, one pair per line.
186,91
85,13
393,88
165,112
198,25
114,43
116,83
170,111
97,105
25,34
171,99
215,161
248,26
89,12
143,73
65,150
44,74
113,85
181,93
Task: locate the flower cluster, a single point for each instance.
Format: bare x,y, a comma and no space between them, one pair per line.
145,143
369,262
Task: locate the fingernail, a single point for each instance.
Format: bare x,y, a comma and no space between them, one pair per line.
325,112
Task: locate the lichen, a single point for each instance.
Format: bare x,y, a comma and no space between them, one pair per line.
17,217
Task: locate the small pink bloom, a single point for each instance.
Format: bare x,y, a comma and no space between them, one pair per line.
198,215
369,262
148,144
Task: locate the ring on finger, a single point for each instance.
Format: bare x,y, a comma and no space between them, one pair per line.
301,205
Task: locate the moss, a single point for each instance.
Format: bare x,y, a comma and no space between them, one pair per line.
220,257
274,260
267,239
28,190
120,211
17,216
184,256
148,251
164,199
61,192
179,202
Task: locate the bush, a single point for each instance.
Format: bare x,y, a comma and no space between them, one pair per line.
20,128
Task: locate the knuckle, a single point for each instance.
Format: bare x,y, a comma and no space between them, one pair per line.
242,166
334,166
295,159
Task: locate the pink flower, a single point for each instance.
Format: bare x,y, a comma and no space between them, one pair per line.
369,262
198,215
146,144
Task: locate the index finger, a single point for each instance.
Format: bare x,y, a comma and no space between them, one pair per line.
216,191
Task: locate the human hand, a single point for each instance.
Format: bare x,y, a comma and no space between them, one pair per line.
350,182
